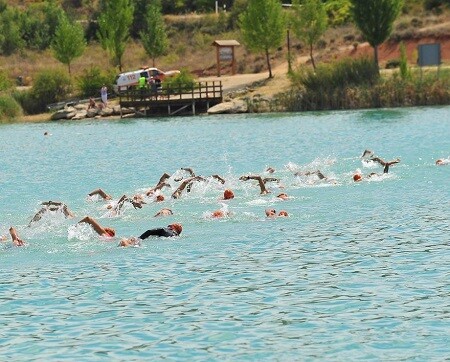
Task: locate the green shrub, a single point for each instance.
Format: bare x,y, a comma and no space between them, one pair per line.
50,86
90,82
180,83
9,108
404,69
344,73
5,82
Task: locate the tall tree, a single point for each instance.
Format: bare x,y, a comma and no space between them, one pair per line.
375,19
114,28
154,36
69,42
262,27
310,22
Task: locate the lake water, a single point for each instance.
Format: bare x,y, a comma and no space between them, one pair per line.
358,271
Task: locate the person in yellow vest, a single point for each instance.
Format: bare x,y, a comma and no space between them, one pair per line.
142,85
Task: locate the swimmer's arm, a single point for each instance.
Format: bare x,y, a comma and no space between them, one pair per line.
15,238
188,169
220,179
95,225
100,192
163,178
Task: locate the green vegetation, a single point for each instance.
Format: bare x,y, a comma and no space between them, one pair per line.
375,19
262,27
181,82
69,42
29,28
353,84
50,86
114,24
92,80
310,22
9,108
154,37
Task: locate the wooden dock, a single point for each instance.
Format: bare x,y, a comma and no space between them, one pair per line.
173,101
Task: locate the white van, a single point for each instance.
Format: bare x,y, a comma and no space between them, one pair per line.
127,80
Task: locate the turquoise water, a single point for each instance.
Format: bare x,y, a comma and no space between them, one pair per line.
358,271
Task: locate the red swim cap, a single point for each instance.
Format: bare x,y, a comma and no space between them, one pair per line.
228,194
357,177
176,227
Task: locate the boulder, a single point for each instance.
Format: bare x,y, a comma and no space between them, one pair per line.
80,114
106,112
235,106
91,113
66,113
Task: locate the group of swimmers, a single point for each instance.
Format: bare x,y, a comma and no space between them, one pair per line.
186,182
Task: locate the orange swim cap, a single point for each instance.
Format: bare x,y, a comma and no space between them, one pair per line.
357,177
228,194
176,227
159,198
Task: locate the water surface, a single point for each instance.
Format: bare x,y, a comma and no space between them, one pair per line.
359,271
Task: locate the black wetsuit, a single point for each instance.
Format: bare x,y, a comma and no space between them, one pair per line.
167,232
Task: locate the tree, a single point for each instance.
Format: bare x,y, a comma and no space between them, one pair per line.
310,22
114,24
375,19
69,42
154,37
10,36
262,27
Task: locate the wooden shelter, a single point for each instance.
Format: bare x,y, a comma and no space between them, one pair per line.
225,52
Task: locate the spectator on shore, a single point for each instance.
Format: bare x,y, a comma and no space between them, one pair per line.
104,95
92,103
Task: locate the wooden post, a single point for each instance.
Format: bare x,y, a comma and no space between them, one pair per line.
233,62
218,60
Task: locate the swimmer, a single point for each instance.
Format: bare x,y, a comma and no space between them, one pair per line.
319,174
161,183
228,194
186,183
50,206
218,178
137,201
283,196
386,164
367,154
164,212
270,170
169,231
442,161
261,182
272,213
100,230
101,193
15,238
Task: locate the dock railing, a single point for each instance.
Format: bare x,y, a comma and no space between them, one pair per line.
197,91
